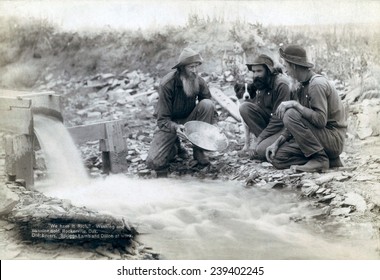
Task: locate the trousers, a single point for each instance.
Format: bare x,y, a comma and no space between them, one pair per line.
257,120
307,140
164,146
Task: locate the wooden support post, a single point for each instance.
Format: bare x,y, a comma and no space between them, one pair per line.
19,158
117,147
111,143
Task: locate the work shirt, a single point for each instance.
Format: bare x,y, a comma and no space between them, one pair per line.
268,100
324,108
173,103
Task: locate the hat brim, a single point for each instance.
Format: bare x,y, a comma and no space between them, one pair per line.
249,66
189,60
294,61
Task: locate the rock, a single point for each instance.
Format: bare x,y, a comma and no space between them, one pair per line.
356,200
327,198
362,178
231,120
8,200
310,191
340,211
326,178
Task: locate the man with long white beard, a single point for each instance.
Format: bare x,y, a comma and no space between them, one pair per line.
179,92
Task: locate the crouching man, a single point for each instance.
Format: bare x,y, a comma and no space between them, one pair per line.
315,124
179,92
268,90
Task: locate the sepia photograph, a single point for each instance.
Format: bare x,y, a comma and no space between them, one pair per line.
190,130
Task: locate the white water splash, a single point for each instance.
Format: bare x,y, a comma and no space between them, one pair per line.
193,219
64,163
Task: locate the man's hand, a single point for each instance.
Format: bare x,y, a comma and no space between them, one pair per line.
285,105
180,131
271,151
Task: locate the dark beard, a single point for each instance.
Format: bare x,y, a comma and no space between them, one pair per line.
261,82
190,84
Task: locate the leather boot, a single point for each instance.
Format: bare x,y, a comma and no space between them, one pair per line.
318,162
336,162
200,156
181,151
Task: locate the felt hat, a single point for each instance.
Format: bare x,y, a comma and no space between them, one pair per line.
187,57
297,55
262,59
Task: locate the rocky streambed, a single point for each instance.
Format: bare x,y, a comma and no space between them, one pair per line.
349,195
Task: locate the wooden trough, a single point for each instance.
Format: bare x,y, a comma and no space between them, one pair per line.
16,122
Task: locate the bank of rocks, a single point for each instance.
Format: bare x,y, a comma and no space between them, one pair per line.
26,213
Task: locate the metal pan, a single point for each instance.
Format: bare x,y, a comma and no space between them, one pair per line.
205,136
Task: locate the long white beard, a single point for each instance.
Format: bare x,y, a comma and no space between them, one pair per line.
190,85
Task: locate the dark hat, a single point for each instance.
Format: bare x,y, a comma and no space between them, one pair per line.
187,57
262,59
297,55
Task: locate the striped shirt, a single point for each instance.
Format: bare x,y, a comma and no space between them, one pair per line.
173,104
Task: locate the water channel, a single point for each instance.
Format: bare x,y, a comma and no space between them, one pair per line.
188,218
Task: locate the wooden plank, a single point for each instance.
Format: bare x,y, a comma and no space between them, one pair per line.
83,133
7,103
17,120
116,143
226,103
19,158
46,103
115,137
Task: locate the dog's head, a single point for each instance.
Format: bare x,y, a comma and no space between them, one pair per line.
244,91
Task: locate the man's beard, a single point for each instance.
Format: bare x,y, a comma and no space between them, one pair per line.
294,87
190,84
261,82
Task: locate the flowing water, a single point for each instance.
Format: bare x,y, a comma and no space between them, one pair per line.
203,219
63,160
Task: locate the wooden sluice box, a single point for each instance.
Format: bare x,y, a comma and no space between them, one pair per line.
16,125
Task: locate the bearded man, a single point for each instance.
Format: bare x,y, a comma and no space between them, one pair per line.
268,89
183,96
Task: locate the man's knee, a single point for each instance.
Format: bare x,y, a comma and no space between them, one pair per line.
206,105
155,163
249,110
261,151
291,116
278,163
243,109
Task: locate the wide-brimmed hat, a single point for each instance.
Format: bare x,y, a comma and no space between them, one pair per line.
297,55
187,57
262,59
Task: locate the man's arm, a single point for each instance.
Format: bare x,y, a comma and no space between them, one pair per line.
282,93
204,92
317,114
164,110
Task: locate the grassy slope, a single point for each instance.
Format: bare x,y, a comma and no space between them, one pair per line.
29,51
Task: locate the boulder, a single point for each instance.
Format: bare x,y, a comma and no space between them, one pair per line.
8,200
356,200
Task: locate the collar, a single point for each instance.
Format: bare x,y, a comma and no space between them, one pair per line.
307,81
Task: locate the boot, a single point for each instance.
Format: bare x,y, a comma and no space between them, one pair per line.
336,162
200,156
318,162
182,153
